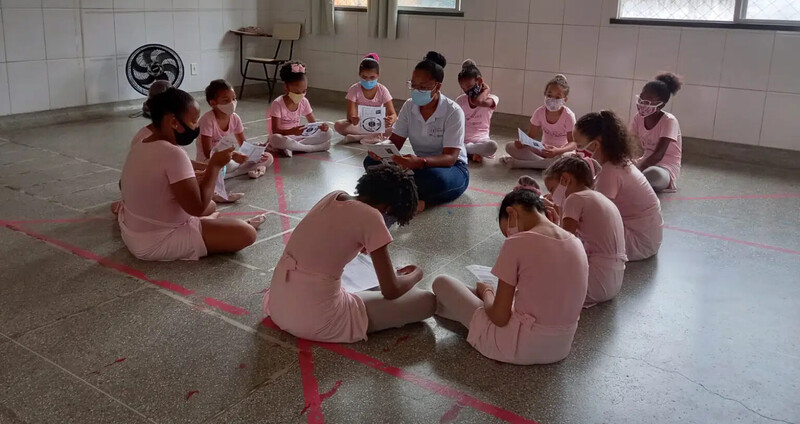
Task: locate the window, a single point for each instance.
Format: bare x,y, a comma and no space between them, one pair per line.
732,11
448,5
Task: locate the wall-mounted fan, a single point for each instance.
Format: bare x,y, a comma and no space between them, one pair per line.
151,63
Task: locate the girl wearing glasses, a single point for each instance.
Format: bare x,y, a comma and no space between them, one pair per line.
435,126
658,132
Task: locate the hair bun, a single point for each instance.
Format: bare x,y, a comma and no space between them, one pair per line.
373,56
436,58
527,181
672,81
468,63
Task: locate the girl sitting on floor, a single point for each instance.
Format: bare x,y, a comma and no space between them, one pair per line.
287,134
542,271
306,297
594,219
367,92
479,105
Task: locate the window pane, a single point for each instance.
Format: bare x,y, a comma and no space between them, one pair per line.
779,10
352,3
442,4
685,10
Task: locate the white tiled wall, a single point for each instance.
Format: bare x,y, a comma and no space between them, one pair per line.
63,53
742,86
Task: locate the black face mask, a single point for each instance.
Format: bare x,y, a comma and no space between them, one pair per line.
187,136
475,91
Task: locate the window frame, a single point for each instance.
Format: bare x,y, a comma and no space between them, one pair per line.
740,21
408,10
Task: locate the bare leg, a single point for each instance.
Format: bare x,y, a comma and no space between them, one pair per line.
414,306
225,235
455,301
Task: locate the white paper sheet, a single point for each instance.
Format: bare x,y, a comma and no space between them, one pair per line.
371,119
359,275
219,186
225,143
311,128
385,151
483,274
253,152
524,139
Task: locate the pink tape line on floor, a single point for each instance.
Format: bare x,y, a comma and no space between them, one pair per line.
733,240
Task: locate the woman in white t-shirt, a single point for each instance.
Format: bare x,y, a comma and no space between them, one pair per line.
162,199
367,92
435,126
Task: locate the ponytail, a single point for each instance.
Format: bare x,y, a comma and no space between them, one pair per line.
609,129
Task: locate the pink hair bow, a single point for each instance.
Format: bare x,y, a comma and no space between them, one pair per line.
528,187
298,68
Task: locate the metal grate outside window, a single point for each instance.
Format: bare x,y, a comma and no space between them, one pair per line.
777,10
681,10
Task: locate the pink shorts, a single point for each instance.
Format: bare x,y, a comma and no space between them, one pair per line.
184,242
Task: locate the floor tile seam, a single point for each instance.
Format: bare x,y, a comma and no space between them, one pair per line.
269,380
76,377
64,318
44,199
697,383
45,149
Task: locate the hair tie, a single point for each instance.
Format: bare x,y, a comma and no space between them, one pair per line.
528,187
298,68
372,56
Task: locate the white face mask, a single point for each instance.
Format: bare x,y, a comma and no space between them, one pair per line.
228,109
512,229
588,150
553,105
560,195
646,108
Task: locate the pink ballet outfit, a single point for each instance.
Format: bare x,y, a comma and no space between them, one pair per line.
478,121
153,225
638,205
356,95
288,119
601,230
305,297
666,127
210,128
554,135
550,276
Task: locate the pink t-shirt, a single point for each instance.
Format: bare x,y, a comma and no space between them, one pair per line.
599,223
286,118
141,135
210,128
666,127
638,205
305,297
148,172
554,134
478,119
551,277
356,94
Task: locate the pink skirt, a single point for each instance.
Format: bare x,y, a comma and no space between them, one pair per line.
184,242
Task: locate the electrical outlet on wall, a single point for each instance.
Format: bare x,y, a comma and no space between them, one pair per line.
193,68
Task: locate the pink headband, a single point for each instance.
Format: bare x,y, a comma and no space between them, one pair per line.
298,68
589,162
528,187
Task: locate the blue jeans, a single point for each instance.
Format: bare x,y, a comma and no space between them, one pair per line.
437,185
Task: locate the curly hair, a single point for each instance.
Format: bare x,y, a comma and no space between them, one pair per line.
664,86
433,64
389,185
523,196
559,80
172,100
287,75
573,165
614,140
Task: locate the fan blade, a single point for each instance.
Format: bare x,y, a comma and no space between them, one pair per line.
139,68
146,81
171,68
163,57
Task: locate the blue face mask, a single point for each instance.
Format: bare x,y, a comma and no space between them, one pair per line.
369,84
420,97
